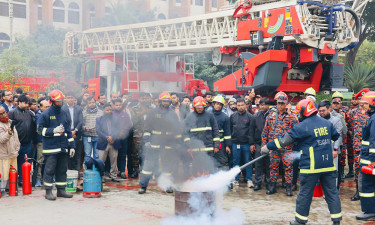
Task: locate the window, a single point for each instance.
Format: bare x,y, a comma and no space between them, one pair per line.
199,2
4,9
214,3
73,13
19,9
40,10
161,16
58,12
92,15
178,1
4,41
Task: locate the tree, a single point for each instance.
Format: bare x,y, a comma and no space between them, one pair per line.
368,31
359,76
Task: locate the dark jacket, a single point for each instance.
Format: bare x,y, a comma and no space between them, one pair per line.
223,123
314,136
124,124
6,107
201,132
183,111
368,140
55,143
256,127
106,126
77,118
37,117
24,121
240,128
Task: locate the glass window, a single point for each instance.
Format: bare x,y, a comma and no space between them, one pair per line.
92,15
4,41
40,10
73,13
214,3
58,11
199,2
89,70
4,9
178,1
19,10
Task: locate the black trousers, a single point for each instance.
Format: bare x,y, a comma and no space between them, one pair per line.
75,162
56,165
306,190
261,167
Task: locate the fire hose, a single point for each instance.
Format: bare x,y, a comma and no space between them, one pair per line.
244,166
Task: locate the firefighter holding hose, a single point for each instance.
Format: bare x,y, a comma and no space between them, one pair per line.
58,145
314,136
367,158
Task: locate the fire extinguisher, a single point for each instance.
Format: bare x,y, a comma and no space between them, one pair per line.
368,169
0,185
26,177
13,184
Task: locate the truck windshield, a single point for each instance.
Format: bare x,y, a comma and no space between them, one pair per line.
89,70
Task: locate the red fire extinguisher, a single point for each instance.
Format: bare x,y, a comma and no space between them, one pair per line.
368,169
0,185
26,178
13,184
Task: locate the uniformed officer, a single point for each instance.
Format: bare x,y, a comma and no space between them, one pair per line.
314,136
367,187
58,145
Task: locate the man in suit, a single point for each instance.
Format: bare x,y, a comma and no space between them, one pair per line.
76,116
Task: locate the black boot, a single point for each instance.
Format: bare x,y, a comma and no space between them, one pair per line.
336,223
49,195
62,193
350,173
272,188
295,222
257,187
169,190
134,174
365,216
142,190
356,195
289,190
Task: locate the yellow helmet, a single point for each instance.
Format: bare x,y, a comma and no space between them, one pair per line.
337,95
310,91
219,99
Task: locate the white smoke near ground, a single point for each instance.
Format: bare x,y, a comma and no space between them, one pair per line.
165,182
204,213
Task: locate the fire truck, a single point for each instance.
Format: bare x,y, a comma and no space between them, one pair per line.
272,45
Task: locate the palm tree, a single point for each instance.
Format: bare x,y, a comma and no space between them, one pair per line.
359,76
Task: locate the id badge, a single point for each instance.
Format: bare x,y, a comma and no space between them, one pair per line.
238,146
88,139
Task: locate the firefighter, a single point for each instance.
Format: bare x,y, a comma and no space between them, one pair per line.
58,145
277,124
222,156
314,136
367,188
202,138
161,135
138,116
310,92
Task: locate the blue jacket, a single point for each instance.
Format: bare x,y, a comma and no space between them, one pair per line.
224,128
314,136
368,142
37,117
55,143
107,126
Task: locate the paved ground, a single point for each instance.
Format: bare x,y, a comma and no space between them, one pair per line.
122,205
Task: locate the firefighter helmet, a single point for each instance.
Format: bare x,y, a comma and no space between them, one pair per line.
165,96
281,97
369,97
310,91
56,95
305,108
361,93
219,99
337,95
199,102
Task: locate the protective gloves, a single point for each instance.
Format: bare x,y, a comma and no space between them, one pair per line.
58,129
264,150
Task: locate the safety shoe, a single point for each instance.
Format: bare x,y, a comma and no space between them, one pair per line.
169,190
289,190
365,216
350,174
142,191
235,183
134,174
62,193
257,187
115,180
122,175
336,223
250,184
272,188
355,196
49,195
295,222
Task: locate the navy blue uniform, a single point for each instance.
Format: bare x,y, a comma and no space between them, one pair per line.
223,123
314,136
367,190
55,146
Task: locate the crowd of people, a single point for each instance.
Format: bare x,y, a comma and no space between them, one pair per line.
62,130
